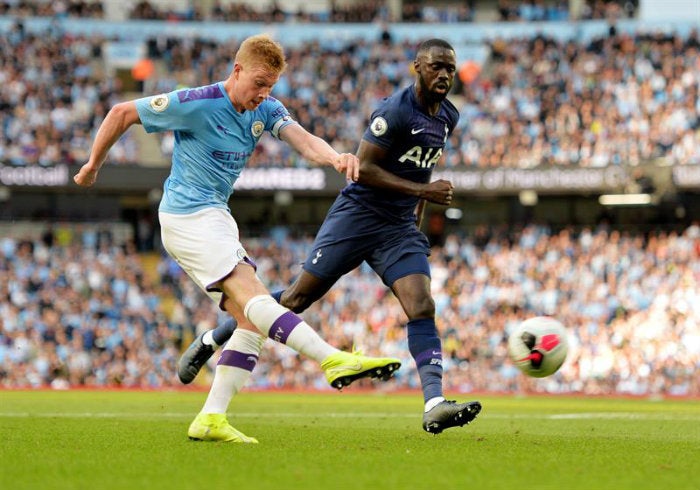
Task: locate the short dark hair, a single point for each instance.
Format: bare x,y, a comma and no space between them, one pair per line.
433,43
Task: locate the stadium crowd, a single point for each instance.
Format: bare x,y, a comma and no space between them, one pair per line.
377,10
358,12
616,100
81,310
58,8
53,95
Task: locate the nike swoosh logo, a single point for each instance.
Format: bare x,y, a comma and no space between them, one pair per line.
355,367
416,131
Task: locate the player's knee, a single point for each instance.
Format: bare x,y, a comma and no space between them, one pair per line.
296,302
421,308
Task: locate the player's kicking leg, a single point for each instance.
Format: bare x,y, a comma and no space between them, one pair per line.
341,368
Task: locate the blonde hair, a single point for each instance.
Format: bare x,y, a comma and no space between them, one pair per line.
261,50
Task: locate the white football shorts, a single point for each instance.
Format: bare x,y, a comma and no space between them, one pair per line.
206,244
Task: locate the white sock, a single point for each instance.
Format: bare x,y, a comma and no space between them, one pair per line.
235,367
208,339
287,328
430,404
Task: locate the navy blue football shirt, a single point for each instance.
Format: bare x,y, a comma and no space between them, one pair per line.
414,140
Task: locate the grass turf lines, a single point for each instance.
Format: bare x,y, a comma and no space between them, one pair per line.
137,440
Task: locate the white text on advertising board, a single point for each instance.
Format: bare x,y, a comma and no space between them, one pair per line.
34,176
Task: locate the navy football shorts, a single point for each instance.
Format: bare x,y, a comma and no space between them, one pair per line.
352,233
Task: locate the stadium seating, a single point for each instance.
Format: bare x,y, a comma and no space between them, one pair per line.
619,99
80,309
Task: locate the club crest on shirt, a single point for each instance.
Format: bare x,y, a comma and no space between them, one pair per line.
160,102
378,126
257,128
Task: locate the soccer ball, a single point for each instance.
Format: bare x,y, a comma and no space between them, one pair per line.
538,346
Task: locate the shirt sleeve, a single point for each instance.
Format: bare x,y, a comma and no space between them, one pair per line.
454,119
164,112
384,125
277,117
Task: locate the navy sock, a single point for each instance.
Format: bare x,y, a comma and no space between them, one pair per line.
277,295
223,332
426,349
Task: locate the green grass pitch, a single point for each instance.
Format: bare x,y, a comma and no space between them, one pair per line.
137,440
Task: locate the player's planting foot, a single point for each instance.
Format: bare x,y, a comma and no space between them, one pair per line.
214,427
196,355
342,368
448,414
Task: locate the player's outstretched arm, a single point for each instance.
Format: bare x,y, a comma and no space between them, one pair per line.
120,118
439,192
316,150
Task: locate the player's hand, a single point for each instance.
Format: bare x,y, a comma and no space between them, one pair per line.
439,192
348,164
86,176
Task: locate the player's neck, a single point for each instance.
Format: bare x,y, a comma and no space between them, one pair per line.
429,105
229,84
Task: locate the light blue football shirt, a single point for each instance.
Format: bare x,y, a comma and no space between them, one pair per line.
213,142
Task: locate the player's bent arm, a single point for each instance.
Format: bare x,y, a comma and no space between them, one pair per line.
316,150
120,118
373,175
